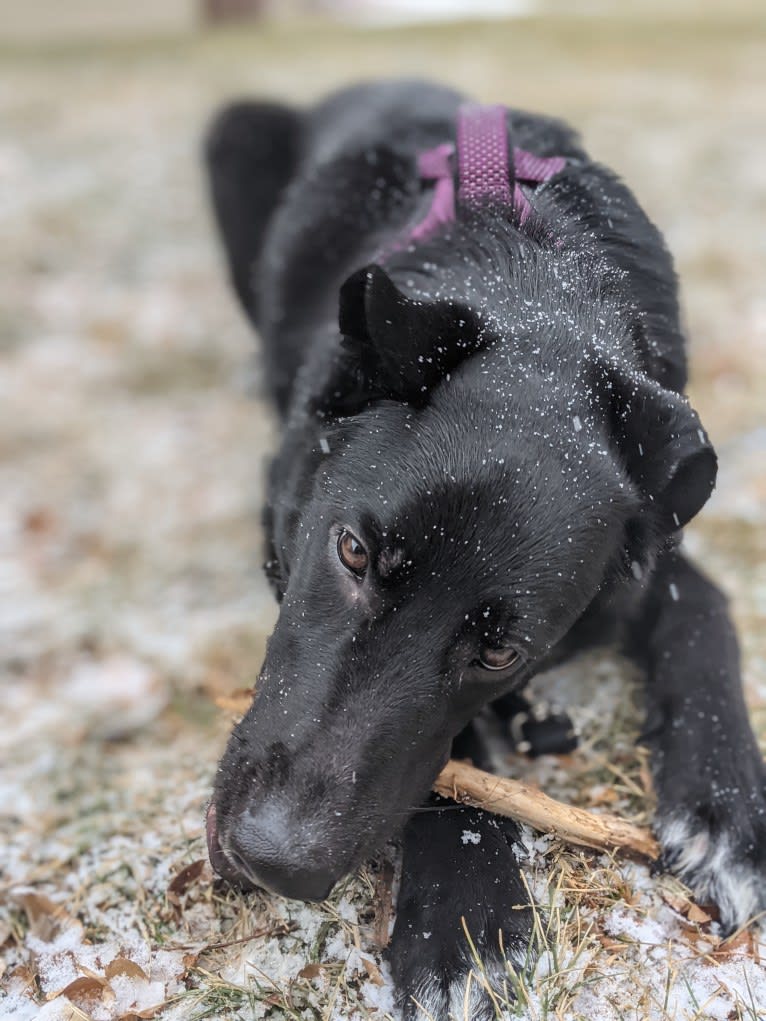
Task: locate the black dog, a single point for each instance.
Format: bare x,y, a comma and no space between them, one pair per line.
486,461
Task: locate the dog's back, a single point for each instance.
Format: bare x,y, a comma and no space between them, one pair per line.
346,186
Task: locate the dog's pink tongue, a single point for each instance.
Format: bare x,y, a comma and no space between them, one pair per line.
217,859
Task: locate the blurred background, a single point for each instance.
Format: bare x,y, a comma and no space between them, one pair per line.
133,438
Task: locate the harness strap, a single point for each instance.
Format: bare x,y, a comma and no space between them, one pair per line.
483,157
484,169
436,165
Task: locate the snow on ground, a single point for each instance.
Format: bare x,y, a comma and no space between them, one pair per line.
131,461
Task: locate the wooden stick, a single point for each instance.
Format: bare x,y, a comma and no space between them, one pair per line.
517,800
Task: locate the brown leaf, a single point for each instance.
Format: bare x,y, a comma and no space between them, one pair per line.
373,972
38,521
686,907
676,901
46,919
311,971
612,945
697,914
729,946
22,973
237,701
124,966
85,992
141,1015
184,879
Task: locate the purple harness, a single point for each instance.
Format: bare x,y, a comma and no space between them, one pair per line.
484,172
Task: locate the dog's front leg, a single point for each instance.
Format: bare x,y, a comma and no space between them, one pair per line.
709,775
459,875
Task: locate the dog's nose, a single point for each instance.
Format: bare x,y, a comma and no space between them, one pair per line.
271,854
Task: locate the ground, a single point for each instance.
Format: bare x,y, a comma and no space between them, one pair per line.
132,451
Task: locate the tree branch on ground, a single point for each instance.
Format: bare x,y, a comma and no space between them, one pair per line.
518,800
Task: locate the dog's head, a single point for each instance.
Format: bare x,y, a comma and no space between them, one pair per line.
465,504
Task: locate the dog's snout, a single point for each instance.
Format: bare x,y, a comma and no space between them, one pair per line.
263,846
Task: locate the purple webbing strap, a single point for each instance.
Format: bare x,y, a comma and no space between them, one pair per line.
484,170
435,165
532,170
483,159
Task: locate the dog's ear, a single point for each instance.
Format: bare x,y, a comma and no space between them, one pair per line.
394,346
666,450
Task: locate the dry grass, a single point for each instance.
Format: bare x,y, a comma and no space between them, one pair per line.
131,471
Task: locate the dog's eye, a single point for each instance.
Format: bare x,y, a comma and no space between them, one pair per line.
352,553
497,659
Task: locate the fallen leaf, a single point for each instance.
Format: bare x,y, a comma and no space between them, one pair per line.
38,521
85,992
373,972
697,914
686,907
728,946
46,918
237,701
674,900
141,1015
124,966
23,974
613,945
184,879
311,971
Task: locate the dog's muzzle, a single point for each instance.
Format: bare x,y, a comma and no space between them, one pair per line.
261,852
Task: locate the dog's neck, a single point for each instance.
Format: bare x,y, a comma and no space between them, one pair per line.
529,291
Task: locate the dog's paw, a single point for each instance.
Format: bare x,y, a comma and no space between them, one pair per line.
466,989
719,851
463,917
462,937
